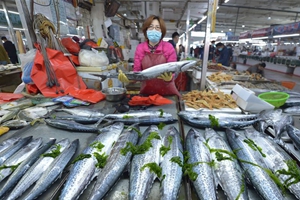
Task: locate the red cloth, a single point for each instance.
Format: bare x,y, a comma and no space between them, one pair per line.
88,95
151,100
7,97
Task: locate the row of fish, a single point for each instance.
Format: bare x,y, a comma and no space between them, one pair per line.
235,161
115,139
27,161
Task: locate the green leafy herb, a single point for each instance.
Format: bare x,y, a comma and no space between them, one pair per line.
214,122
81,157
113,143
220,157
163,149
140,149
53,116
101,159
254,146
137,130
97,145
54,153
161,125
219,153
293,173
242,190
161,112
153,167
127,117
12,167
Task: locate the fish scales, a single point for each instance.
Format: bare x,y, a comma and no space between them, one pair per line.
204,184
275,158
140,182
8,143
82,112
294,134
69,125
172,171
53,172
83,171
115,165
36,171
4,155
258,177
23,167
228,172
21,155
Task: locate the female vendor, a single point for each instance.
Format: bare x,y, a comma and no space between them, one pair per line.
154,51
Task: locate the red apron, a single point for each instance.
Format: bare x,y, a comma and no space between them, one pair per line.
157,86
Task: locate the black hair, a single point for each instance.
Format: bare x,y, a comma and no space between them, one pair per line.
3,38
262,64
219,44
175,34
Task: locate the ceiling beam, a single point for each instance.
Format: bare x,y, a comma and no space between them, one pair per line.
182,13
259,8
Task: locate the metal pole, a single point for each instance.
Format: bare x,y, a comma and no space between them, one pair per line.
26,23
10,27
187,35
296,17
206,45
236,21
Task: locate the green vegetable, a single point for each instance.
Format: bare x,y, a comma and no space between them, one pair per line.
140,149
161,112
127,117
12,167
81,157
163,149
153,167
242,190
136,130
54,153
101,159
97,145
254,146
293,173
214,122
161,125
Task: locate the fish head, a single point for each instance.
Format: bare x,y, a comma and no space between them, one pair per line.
185,65
210,133
251,133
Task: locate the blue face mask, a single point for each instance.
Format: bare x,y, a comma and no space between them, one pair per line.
220,49
154,36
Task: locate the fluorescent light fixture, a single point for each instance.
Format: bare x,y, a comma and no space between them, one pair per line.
18,29
124,14
260,38
181,35
230,29
290,35
226,1
218,7
243,25
72,35
222,31
201,20
167,39
192,27
269,17
9,11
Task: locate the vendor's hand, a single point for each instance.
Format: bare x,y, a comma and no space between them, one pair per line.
122,77
166,76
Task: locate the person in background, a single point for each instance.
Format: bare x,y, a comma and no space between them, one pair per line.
154,51
235,54
211,50
181,50
10,49
258,68
174,41
4,59
229,47
224,54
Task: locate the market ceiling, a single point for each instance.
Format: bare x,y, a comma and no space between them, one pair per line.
235,16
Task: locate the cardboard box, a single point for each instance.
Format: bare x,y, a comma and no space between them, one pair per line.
247,100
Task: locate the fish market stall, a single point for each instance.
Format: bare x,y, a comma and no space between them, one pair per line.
42,130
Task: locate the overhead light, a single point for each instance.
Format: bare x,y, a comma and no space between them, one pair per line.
269,17
222,31
124,14
218,7
243,25
18,29
226,1
230,29
201,20
281,36
260,38
9,11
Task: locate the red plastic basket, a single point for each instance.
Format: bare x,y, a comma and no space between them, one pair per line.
288,84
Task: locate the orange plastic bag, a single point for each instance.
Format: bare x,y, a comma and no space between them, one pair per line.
88,95
71,45
65,72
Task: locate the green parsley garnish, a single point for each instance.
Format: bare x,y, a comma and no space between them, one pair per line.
293,173
161,112
153,167
163,149
127,116
97,145
81,157
254,146
12,167
214,122
101,159
161,125
54,153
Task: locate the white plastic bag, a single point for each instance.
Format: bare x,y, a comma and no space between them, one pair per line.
92,58
27,57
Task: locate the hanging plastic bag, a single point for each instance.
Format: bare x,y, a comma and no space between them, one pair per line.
27,57
93,58
71,45
65,73
26,78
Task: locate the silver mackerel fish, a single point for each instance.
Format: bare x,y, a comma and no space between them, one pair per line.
172,171
229,174
204,184
116,164
258,177
141,181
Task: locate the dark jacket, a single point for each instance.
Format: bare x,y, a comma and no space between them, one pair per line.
173,43
11,51
224,57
